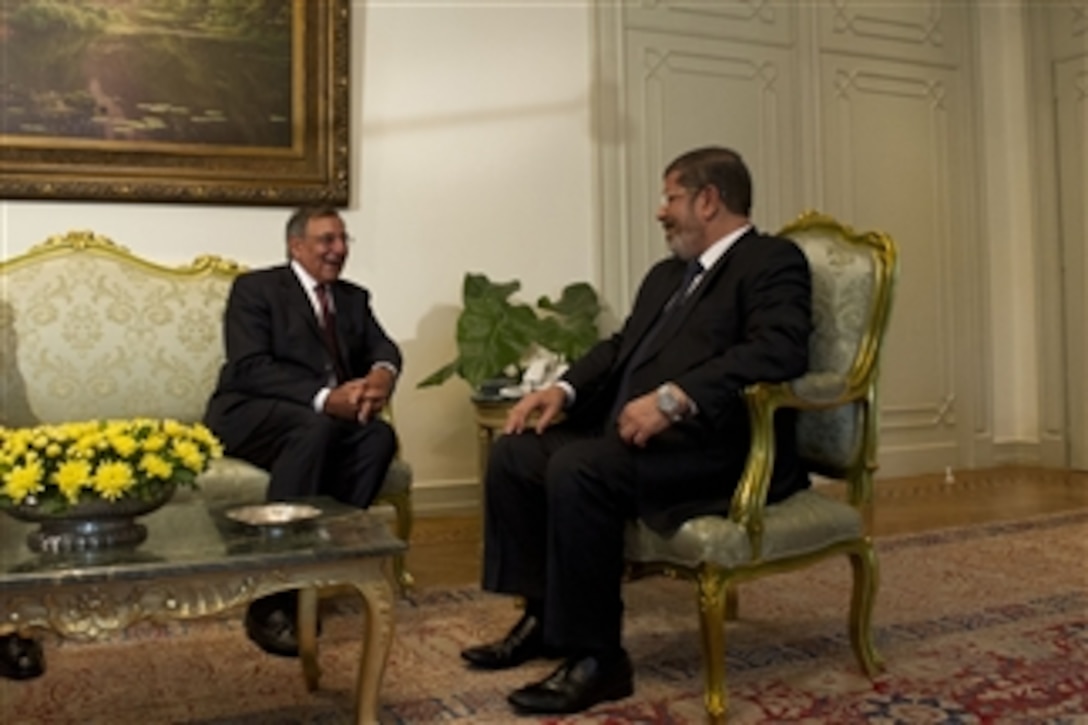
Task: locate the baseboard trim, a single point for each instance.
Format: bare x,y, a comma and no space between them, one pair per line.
445,497
459,496
1017,453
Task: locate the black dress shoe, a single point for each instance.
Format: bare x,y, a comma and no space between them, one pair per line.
276,631
522,643
578,684
21,658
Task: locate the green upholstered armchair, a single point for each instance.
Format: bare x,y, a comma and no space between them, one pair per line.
853,275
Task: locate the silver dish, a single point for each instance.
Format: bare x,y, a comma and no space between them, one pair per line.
274,514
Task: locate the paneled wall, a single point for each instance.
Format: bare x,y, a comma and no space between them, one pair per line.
1061,82
865,110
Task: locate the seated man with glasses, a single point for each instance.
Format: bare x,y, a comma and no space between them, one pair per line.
655,428
308,368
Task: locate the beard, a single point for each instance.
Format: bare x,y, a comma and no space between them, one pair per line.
681,243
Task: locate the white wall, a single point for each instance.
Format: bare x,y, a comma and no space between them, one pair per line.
473,152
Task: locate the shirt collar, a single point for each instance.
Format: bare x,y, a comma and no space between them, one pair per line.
715,251
308,283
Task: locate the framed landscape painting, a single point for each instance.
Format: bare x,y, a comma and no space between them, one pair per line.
203,101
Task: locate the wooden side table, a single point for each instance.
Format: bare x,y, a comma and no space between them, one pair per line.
490,417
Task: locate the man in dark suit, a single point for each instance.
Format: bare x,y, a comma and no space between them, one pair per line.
308,368
655,427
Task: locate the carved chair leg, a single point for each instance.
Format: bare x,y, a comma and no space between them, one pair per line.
402,507
712,590
866,580
732,602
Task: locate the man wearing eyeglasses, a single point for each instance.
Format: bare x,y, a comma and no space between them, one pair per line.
308,368
654,427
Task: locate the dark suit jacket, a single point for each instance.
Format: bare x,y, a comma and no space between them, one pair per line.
275,350
749,320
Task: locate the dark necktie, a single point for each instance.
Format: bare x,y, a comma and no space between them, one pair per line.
676,301
328,332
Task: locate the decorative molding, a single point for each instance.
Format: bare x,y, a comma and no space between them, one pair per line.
85,240
906,417
99,609
884,83
863,21
748,21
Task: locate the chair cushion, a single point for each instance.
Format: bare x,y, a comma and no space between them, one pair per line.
231,478
805,522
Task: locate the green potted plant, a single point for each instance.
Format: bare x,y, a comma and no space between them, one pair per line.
497,337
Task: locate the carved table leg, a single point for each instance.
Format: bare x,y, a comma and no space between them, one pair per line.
307,636
377,638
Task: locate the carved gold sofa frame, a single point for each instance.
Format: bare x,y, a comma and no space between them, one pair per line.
89,330
853,276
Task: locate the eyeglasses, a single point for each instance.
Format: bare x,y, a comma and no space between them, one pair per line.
330,237
669,197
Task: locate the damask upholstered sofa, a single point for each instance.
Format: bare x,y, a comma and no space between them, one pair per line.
89,330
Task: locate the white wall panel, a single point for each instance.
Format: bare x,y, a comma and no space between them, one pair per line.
683,93
924,31
1068,28
1071,90
751,21
890,134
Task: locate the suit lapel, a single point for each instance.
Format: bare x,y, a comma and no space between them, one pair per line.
298,302
653,309
710,278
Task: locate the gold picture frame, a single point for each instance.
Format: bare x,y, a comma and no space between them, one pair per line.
246,103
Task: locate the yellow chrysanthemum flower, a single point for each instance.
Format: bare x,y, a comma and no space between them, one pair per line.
124,444
156,466
21,481
112,479
189,454
71,477
155,442
110,459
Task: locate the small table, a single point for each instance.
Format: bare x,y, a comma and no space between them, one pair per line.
490,418
195,563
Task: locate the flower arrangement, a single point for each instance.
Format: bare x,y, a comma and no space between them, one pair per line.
54,467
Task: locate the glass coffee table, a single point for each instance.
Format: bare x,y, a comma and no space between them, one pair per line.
197,561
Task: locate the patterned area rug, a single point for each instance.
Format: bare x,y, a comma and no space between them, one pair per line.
976,625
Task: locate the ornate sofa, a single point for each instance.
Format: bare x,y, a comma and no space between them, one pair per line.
89,330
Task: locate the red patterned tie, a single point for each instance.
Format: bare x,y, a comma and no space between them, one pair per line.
328,332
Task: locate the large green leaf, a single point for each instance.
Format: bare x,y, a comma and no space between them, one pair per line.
572,328
494,333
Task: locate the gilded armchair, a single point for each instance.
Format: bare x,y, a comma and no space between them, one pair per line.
853,276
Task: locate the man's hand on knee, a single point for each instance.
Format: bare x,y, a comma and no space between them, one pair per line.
547,403
640,420
377,387
345,400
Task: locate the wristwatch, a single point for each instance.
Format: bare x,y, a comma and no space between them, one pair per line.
669,404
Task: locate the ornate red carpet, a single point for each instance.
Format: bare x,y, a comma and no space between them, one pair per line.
982,624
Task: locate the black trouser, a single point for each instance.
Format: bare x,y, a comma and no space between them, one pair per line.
556,508
311,454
